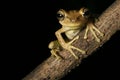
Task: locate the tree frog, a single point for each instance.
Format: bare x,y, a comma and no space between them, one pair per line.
72,23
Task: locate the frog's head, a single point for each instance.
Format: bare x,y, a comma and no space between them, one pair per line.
73,18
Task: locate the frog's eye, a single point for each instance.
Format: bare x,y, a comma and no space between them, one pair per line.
60,15
86,13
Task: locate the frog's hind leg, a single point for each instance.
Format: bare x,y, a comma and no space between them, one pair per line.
55,47
72,47
54,53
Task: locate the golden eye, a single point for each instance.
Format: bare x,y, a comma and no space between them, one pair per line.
84,12
60,15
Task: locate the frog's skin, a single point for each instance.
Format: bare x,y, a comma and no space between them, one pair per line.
72,22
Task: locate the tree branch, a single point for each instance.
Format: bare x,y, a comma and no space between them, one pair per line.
53,69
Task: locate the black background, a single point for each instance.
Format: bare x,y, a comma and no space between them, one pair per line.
29,28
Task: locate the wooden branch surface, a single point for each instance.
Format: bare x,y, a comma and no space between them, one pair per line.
53,69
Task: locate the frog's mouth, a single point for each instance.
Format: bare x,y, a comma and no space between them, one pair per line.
73,25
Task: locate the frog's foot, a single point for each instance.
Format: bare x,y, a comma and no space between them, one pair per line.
93,29
55,47
69,47
54,53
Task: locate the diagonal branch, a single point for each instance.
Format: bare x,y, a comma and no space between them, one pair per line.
52,69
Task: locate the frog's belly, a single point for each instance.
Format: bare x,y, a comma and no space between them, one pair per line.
71,33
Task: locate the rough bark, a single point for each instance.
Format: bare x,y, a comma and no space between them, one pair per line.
53,69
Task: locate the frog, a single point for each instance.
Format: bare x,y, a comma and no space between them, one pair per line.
73,22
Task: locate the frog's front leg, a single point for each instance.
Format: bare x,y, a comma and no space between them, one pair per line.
93,30
68,45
